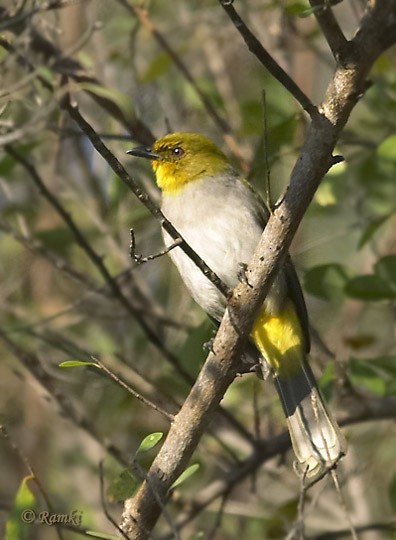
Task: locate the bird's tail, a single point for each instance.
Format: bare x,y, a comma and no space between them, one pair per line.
316,438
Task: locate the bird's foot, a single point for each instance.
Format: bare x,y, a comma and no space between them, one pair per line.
241,274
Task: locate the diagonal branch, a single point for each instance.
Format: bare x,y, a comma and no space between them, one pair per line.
267,60
331,30
142,512
143,197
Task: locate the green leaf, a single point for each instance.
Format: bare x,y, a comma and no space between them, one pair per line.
122,487
326,381
371,229
326,281
123,101
387,149
369,288
46,73
105,536
385,268
157,67
309,11
295,9
186,474
383,364
58,239
77,363
149,442
365,375
22,515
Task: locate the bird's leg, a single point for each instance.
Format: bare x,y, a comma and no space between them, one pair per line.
208,345
241,274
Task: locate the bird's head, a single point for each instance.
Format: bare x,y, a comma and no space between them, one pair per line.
180,158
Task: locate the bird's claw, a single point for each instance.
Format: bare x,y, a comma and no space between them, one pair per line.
241,274
208,345
261,369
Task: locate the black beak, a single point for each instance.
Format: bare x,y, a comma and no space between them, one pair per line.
144,152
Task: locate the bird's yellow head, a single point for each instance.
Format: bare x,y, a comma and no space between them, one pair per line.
180,158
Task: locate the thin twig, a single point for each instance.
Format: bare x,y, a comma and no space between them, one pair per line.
139,259
143,197
343,504
142,15
331,30
133,392
32,363
104,505
268,197
22,457
267,60
97,260
90,286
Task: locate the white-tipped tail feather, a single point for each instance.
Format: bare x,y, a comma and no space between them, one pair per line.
316,438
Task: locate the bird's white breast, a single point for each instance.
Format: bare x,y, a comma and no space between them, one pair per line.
221,219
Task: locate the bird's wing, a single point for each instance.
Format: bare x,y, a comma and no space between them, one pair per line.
297,296
293,283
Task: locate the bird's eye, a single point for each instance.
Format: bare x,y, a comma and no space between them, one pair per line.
177,152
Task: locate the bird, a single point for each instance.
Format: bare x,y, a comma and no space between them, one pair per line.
221,217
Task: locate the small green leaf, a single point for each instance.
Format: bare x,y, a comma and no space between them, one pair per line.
371,229
158,66
122,487
385,268
326,281
369,288
387,149
58,239
197,535
186,474
365,375
384,364
149,442
309,11
22,515
295,9
77,363
123,101
46,73
105,536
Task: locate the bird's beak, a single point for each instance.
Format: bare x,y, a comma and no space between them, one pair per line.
144,152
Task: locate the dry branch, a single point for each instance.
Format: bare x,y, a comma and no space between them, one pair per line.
346,87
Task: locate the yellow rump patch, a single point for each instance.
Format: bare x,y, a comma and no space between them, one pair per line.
279,340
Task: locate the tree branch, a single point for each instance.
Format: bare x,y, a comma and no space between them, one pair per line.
143,197
331,30
347,85
267,60
357,412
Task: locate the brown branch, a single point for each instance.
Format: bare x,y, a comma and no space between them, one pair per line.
141,513
117,378
60,63
97,260
142,303
358,411
143,197
32,363
267,60
331,535
142,16
331,30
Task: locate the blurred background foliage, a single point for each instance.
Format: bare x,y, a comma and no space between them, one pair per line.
137,70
